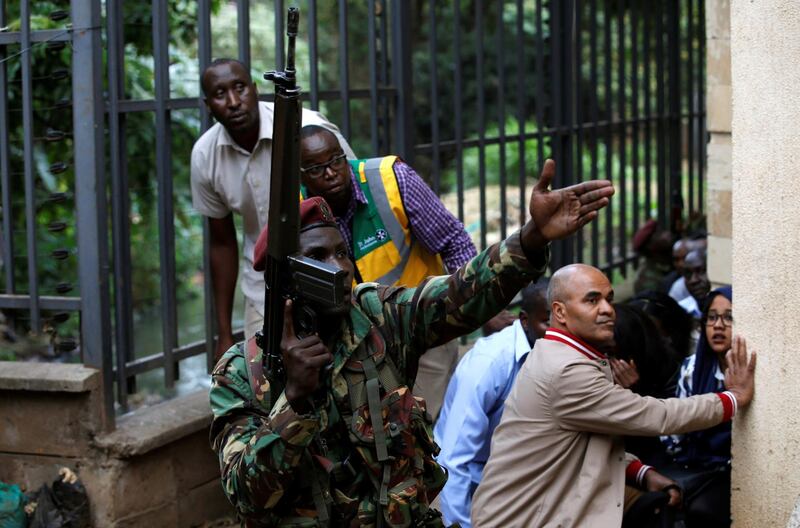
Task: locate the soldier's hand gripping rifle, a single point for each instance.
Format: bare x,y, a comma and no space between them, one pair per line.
309,283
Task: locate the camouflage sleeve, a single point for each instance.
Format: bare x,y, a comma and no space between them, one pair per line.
445,307
257,452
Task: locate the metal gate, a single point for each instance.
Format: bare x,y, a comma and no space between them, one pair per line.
475,94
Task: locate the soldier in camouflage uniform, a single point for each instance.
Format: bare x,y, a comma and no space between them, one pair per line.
356,449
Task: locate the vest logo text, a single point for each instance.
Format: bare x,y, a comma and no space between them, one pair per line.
366,243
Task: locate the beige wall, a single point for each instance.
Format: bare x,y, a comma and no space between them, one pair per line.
718,108
765,60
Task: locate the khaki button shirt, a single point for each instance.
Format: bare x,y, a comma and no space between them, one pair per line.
226,178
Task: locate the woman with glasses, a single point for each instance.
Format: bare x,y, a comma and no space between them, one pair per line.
702,459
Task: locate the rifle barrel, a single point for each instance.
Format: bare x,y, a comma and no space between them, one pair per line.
291,32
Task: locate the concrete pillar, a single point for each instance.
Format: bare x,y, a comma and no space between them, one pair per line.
718,111
765,54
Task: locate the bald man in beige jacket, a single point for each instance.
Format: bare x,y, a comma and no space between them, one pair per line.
557,457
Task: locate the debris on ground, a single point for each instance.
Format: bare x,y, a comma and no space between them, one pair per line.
62,504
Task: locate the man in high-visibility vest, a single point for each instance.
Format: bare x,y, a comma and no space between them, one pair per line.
397,231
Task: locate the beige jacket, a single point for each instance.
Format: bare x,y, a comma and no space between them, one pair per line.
557,457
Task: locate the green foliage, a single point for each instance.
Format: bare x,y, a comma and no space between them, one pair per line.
54,226
493,105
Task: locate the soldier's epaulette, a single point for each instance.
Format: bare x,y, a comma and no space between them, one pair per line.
364,288
366,295
227,358
374,295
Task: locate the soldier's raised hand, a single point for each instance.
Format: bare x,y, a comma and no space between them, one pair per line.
558,213
302,359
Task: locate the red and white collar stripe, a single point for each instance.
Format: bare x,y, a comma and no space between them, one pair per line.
553,334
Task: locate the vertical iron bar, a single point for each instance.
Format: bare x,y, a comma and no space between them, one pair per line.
481,117
313,54
577,111
373,77
567,110
90,195
561,23
690,99
280,47
674,123
623,139
457,109
521,92
344,74
243,31
501,108
690,95
595,117
609,150
386,139
5,169
402,76
30,177
701,105
204,54
661,141
166,222
540,75
120,209
633,8
648,112
435,161
555,121
556,111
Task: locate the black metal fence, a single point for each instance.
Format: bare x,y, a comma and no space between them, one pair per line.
475,94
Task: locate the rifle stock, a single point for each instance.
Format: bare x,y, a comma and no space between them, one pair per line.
310,283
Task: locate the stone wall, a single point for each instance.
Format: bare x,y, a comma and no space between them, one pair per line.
718,108
155,469
765,53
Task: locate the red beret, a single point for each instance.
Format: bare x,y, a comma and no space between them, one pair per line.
314,212
642,236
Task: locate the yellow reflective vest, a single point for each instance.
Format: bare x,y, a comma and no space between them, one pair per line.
384,248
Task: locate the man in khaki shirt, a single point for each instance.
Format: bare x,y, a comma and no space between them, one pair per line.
230,173
557,457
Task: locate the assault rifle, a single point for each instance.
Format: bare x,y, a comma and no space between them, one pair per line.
309,283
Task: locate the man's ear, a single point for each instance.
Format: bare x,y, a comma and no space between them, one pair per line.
558,312
523,319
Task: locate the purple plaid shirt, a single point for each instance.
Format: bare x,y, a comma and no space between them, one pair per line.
432,224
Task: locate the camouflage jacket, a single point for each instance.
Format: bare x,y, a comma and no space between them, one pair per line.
269,458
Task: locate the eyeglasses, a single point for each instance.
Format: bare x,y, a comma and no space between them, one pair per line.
335,163
713,317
